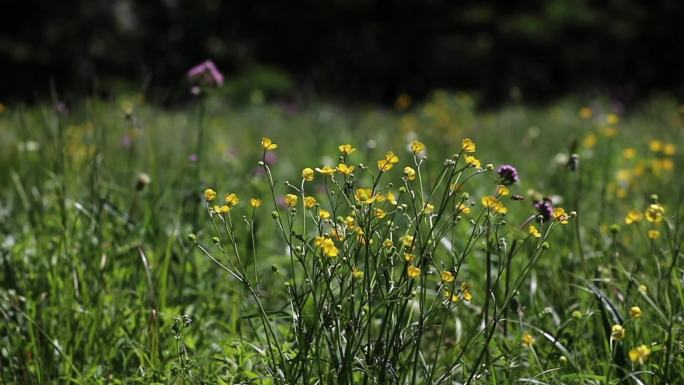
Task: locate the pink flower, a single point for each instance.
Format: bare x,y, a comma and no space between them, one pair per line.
206,72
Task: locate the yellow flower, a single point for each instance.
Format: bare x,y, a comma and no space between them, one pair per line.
346,149
473,161
255,202
528,340
534,232
344,169
669,149
629,153
428,209
465,292
468,145
417,147
327,245
323,214
654,213
653,234
309,202
643,289
463,208
291,200
387,244
326,170
391,198
451,297
560,215
364,195
409,173
232,199
586,112
413,272
409,257
209,194
380,213
633,216
406,240
222,210
494,204
447,277
639,354
617,332
635,312
308,174
590,140
612,119
356,273
388,162
502,190
655,145
267,144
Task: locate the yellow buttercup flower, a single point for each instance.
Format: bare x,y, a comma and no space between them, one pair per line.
255,202
586,112
639,354
291,200
473,161
346,149
560,215
654,213
612,119
209,194
528,340
356,273
502,190
451,297
643,289
308,174
653,234
391,198
417,147
364,195
465,292
232,199
655,145
461,207
326,170
629,153
617,332
494,204
468,145
224,209
324,214
669,149
309,202
344,169
380,213
268,144
406,240
532,230
635,312
429,209
447,277
409,173
388,162
633,216
409,257
413,271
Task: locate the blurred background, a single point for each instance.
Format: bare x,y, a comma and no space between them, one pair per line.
353,50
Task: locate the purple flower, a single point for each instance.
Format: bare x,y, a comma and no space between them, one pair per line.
507,174
206,72
544,208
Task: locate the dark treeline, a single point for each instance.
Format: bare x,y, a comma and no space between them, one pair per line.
352,49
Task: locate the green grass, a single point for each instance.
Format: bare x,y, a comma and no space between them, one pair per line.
98,271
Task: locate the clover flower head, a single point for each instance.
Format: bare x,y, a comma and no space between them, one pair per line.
507,174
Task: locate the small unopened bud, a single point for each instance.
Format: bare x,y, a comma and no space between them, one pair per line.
545,245
465,196
490,167
614,228
216,240
402,189
143,180
274,214
274,268
192,237
654,199
261,163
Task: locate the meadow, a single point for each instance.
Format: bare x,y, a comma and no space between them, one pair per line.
276,243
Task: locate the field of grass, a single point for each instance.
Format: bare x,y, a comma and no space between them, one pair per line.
119,266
